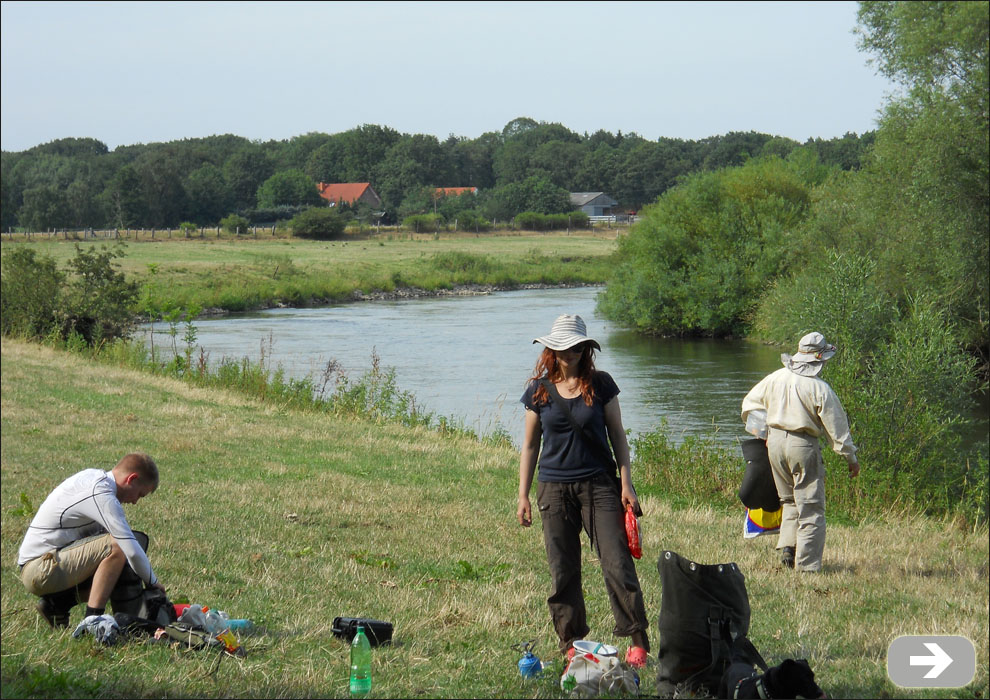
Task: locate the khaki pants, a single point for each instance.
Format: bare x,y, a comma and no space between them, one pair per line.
65,568
799,474
594,505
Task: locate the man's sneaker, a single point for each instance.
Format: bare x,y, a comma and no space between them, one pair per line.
57,619
636,657
787,557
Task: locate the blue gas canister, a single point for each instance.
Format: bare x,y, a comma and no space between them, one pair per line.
529,664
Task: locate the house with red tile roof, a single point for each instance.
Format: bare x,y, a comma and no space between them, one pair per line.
454,191
349,193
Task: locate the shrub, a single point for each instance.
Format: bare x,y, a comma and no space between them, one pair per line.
94,304
30,293
321,223
530,221
99,299
234,223
472,220
423,223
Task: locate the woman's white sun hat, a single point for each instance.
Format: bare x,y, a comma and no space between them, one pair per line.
813,352
567,331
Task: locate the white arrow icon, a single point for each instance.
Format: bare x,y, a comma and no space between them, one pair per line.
939,660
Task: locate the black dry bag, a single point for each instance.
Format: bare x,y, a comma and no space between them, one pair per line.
377,631
704,611
758,489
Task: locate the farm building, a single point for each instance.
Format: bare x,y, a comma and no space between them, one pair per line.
349,193
593,203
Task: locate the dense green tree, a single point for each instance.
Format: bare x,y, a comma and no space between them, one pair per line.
122,200
700,258
597,170
71,147
925,194
470,160
288,188
364,148
44,207
326,163
208,195
559,162
244,172
411,163
533,194
296,152
161,185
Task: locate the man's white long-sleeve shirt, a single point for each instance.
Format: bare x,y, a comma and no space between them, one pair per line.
801,404
84,504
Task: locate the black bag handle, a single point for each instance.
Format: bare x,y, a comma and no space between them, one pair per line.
595,445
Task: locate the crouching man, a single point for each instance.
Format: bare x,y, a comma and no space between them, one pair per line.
80,538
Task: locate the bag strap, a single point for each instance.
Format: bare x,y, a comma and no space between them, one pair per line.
748,651
720,632
595,445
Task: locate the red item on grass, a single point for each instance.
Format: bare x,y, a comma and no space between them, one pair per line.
180,608
632,534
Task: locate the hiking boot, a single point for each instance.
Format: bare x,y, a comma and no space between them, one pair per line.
636,657
787,557
57,618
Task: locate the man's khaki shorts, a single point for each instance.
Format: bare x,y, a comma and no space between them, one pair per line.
64,568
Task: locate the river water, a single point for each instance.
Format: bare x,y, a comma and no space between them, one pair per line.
468,357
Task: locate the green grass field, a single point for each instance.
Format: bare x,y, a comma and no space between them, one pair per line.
292,517
244,273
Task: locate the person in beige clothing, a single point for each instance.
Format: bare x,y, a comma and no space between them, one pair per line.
797,407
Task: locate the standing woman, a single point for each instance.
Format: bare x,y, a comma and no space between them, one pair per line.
577,487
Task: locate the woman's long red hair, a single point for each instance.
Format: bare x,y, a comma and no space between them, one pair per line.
547,367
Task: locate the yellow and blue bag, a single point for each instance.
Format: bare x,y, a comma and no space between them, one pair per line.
761,522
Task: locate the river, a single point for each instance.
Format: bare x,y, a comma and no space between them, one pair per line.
468,357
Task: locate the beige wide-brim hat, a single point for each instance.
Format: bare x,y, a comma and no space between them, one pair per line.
567,331
813,352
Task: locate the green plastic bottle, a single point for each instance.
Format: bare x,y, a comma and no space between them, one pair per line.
360,663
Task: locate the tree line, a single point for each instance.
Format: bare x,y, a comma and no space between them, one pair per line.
526,167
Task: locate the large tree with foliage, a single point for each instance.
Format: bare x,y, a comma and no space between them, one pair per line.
891,261
288,188
699,259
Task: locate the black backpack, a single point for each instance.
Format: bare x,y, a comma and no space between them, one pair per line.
758,489
130,597
704,616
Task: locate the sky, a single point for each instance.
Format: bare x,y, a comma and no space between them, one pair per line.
144,72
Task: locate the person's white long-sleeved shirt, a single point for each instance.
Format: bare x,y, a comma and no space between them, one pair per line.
801,404
84,504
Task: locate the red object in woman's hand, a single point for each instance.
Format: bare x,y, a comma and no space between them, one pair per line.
632,534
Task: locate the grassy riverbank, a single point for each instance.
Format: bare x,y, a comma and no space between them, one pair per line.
291,517
246,273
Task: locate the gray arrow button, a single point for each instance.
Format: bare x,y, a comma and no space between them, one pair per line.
920,661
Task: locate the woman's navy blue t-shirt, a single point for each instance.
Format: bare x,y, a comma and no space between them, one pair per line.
565,456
